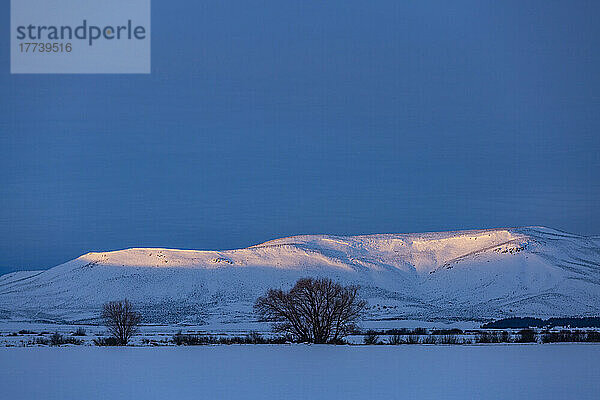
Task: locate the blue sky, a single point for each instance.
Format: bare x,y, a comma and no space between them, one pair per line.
268,119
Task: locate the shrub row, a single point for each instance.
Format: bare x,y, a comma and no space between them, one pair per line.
522,336
530,322
370,338
493,337
530,336
406,331
570,336
181,339
55,340
394,340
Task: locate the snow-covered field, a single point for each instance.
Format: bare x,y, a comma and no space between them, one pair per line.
302,372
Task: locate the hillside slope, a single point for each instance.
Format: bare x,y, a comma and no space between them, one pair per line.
463,275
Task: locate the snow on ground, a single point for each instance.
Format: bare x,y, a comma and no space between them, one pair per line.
302,372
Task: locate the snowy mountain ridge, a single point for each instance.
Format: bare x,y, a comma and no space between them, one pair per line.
460,275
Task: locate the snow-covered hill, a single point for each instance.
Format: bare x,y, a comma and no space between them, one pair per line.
463,275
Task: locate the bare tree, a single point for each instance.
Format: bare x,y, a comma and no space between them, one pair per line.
314,310
121,320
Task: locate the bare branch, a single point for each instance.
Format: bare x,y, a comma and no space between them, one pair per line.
314,310
121,320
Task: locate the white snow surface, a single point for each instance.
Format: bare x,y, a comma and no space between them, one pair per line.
462,276
302,372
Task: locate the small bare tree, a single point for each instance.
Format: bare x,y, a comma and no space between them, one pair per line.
314,310
121,320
